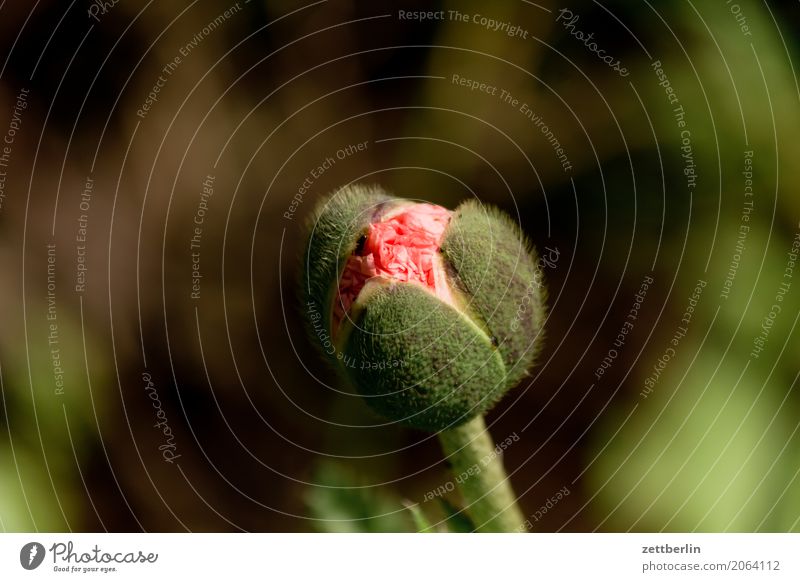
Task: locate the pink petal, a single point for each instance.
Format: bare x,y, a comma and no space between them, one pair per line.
403,248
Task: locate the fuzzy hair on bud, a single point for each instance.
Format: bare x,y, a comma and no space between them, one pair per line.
434,315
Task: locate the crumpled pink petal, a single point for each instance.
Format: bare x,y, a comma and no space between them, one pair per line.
402,247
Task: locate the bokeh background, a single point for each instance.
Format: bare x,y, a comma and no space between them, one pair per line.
128,404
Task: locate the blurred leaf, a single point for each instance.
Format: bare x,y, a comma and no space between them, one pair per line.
342,505
27,502
457,519
786,516
420,521
703,456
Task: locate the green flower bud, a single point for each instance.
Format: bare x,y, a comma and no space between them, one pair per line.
432,315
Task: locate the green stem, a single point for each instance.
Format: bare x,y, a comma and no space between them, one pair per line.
478,468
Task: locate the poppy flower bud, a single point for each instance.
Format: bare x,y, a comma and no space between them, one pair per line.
431,314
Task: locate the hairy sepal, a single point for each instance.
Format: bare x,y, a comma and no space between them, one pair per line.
335,227
419,361
495,268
